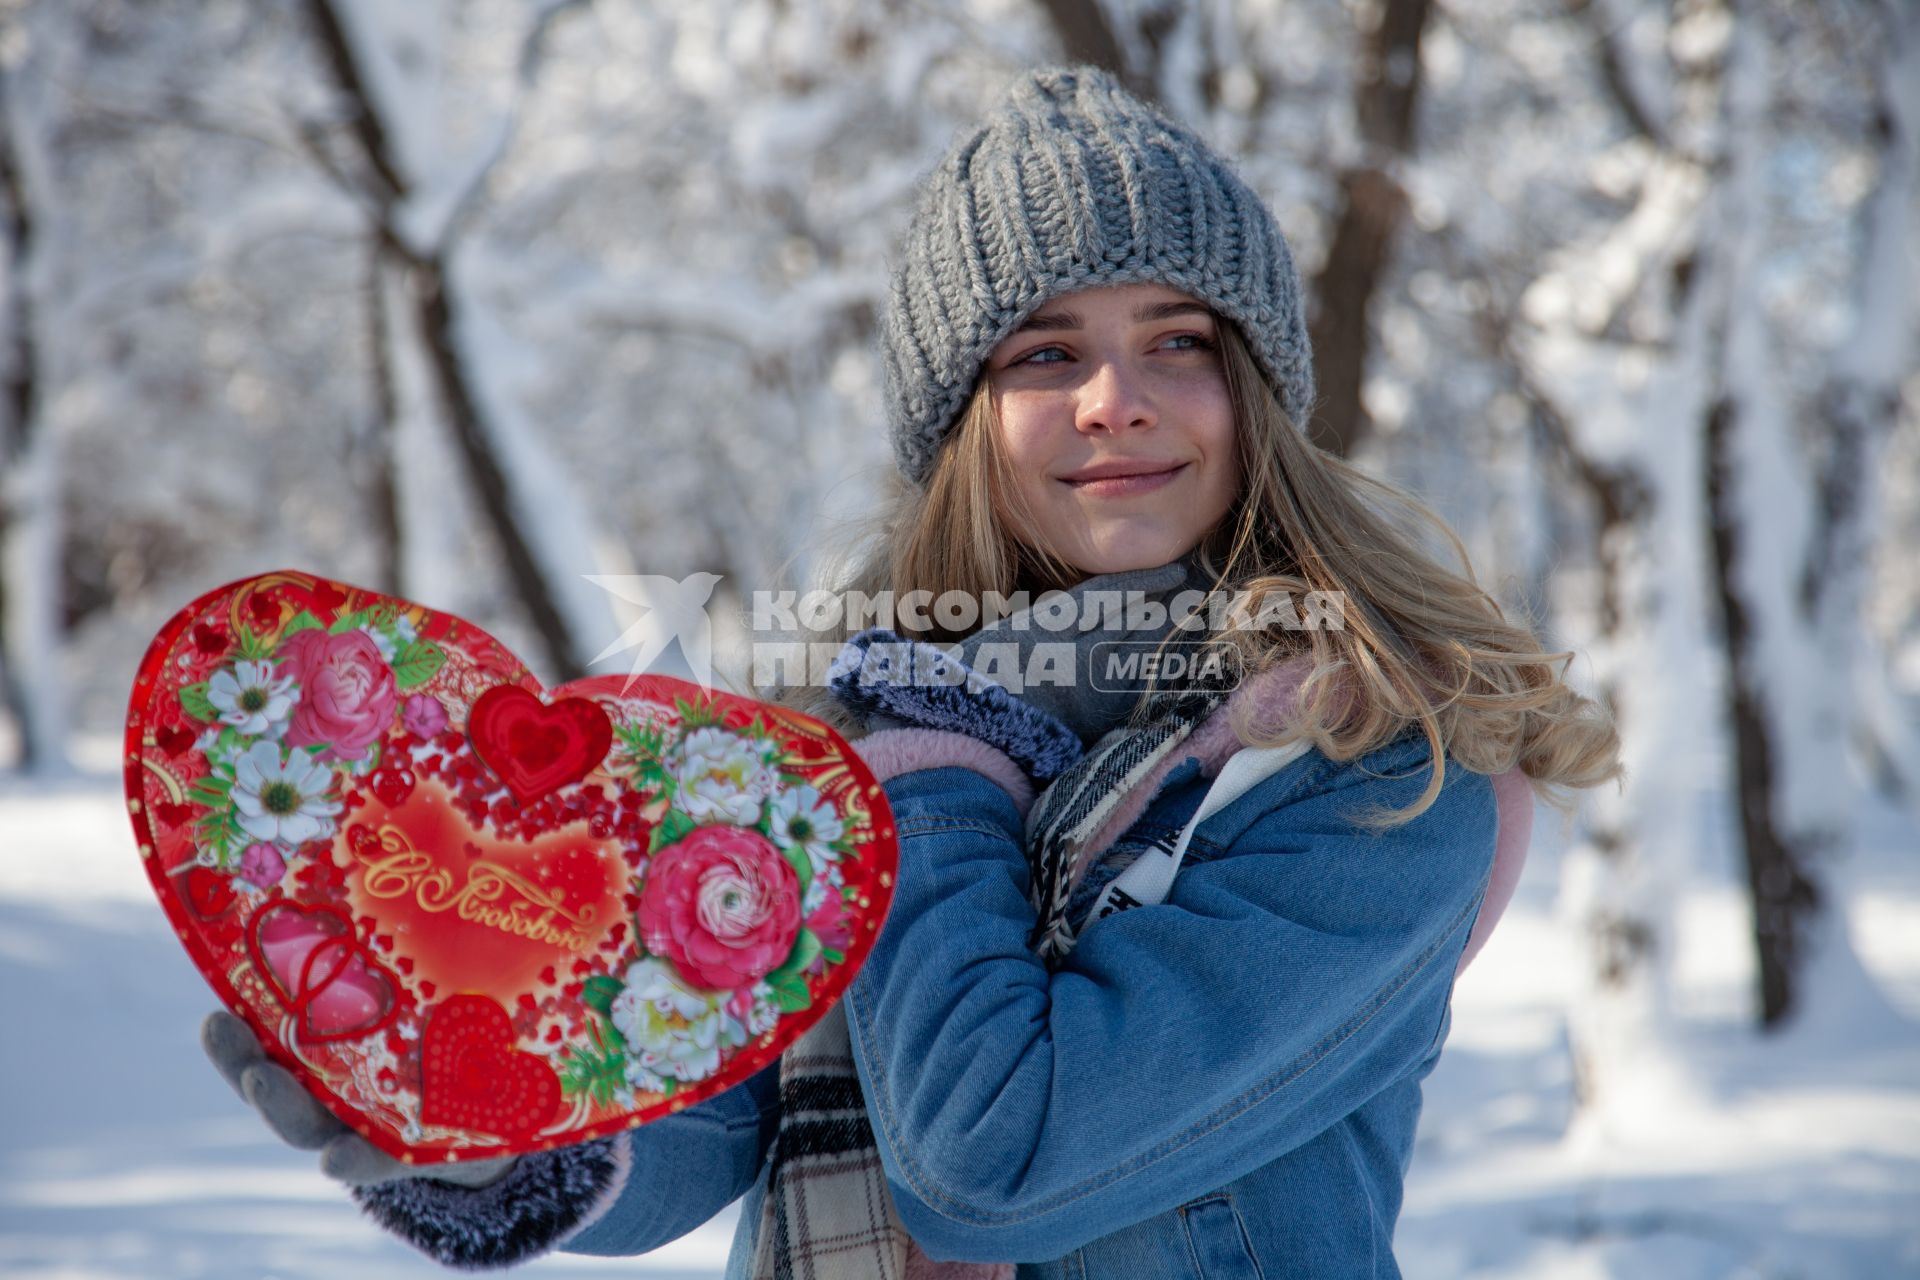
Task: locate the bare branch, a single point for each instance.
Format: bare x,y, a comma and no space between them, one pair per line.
364,120
1618,70
533,52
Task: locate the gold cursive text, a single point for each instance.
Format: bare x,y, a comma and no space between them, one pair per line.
392,868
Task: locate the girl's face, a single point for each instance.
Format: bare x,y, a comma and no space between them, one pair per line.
1113,408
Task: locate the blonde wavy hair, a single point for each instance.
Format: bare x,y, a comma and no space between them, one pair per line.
1421,644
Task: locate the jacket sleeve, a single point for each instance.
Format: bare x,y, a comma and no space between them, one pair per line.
623,1194
1285,980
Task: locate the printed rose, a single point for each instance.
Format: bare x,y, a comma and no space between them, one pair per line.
347,693
722,904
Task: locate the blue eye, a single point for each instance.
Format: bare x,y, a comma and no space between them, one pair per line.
1200,343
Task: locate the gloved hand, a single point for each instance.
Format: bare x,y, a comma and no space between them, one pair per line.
1008,644
302,1123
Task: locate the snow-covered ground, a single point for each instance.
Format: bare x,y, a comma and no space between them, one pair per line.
1734,1156
122,1154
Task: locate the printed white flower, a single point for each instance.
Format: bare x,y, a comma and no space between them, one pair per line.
723,777
403,633
283,799
672,1031
251,698
750,1012
223,757
831,883
799,819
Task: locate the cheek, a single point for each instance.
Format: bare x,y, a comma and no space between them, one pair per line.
1031,445
1023,430
1215,433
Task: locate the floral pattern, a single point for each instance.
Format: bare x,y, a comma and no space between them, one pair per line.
253,698
675,1032
283,797
723,777
347,692
743,898
424,716
283,718
280,712
800,819
262,865
722,904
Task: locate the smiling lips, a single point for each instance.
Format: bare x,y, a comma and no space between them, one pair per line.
1124,480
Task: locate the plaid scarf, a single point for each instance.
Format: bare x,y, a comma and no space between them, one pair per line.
828,1214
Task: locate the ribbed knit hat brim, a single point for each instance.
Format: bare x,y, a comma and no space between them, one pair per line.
1074,183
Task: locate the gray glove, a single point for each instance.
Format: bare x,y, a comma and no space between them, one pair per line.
1090,712
302,1123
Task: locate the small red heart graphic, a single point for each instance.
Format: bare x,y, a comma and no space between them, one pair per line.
327,597
472,1077
264,611
174,813
362,841
174,738
393,784
320,971
534,747
209,893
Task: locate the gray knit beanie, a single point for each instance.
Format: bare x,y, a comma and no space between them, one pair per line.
1072,183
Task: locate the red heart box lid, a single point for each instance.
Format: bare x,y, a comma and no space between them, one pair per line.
478,917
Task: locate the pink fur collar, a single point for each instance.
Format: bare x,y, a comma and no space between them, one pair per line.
1273,695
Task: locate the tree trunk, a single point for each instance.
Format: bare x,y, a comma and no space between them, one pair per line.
1085,35
425,274
1791,610
1779,880
31,684
1373,205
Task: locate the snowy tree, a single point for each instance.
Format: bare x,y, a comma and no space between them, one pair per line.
1668,359
1788,507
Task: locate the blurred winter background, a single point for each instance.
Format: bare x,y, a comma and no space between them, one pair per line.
468,300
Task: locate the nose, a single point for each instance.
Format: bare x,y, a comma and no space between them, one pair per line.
1113,398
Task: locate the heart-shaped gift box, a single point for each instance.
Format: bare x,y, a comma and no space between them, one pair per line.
477,917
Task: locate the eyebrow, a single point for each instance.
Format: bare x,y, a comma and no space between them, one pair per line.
1150,311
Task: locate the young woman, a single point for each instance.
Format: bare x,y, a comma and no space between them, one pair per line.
1097,376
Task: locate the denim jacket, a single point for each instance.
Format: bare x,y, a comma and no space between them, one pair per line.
1225,1084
